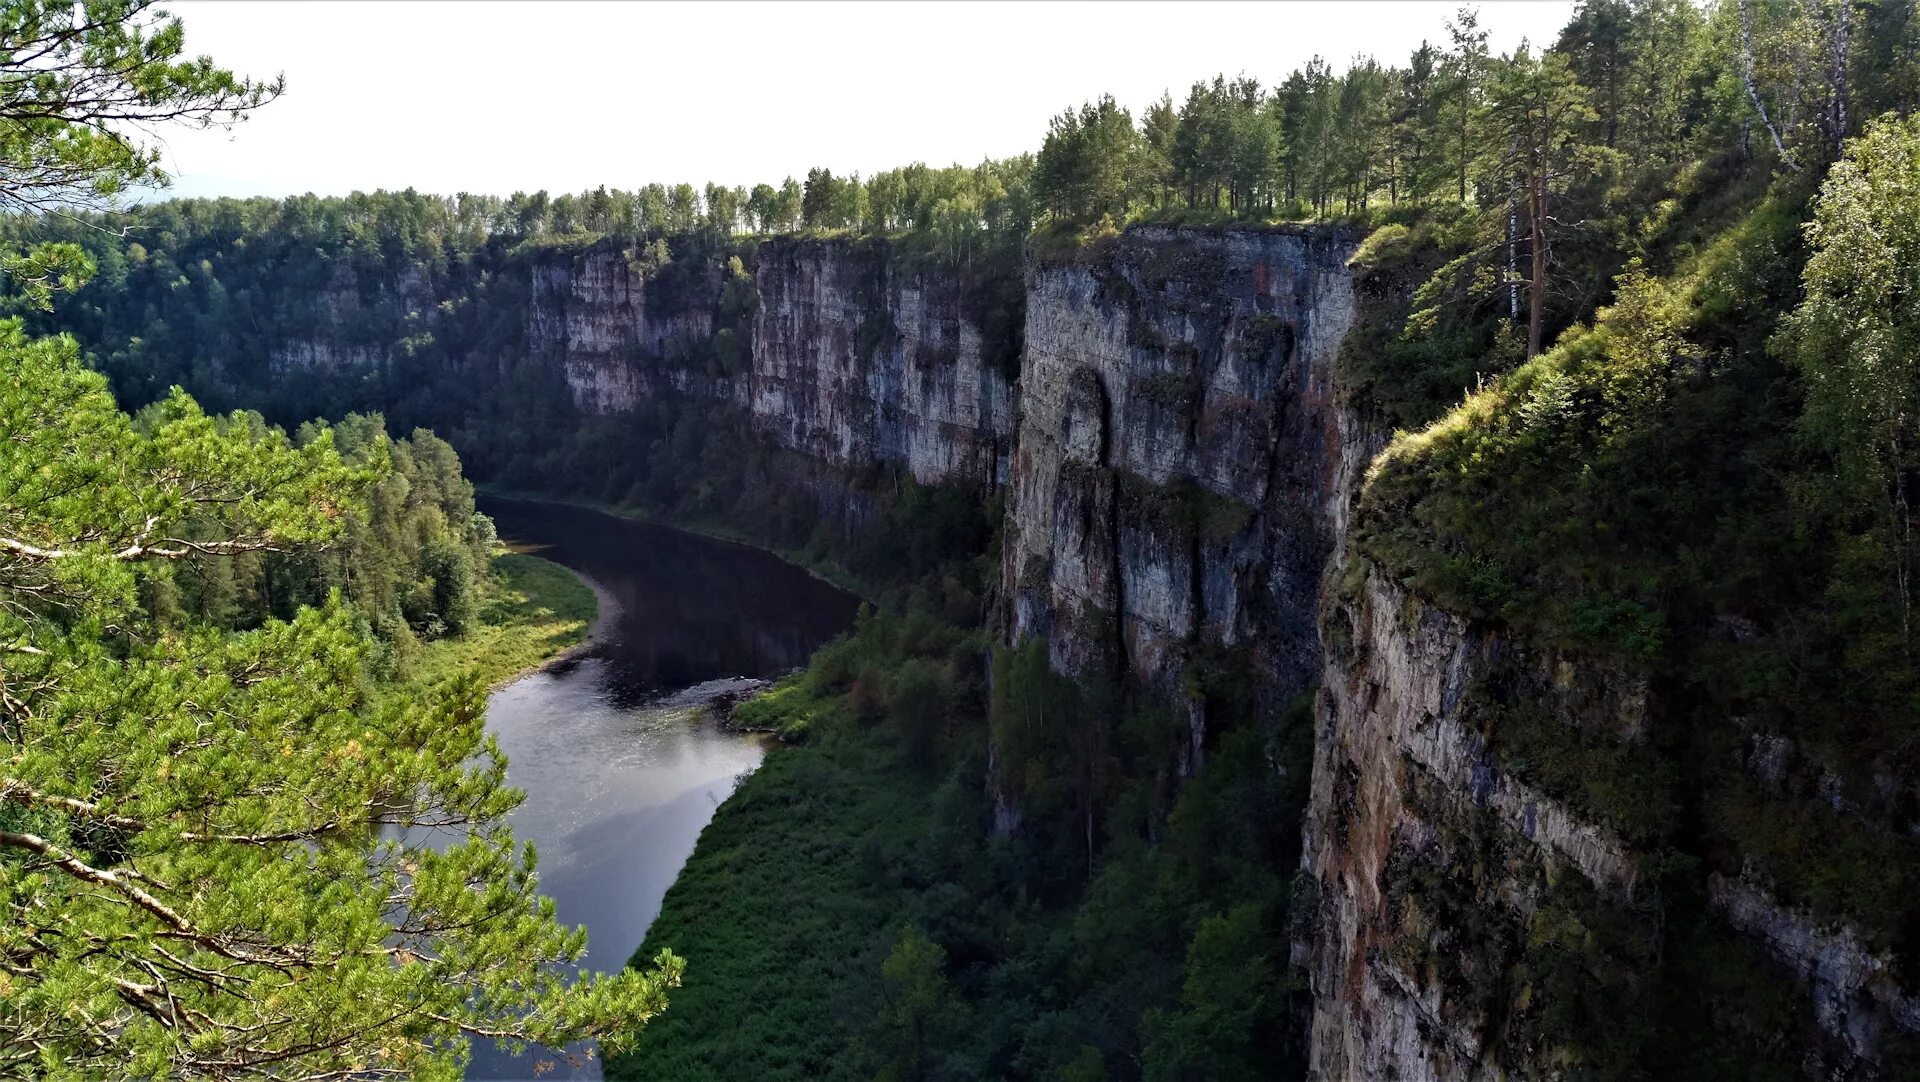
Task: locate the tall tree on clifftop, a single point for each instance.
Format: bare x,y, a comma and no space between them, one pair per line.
1465,69
1416,124
1595,44
1532,117
1088,166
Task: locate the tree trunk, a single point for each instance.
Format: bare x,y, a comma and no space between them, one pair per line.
1903,517
1613,94
1837,113
1513,258
1537,291
1753,93
1089,830
1463,158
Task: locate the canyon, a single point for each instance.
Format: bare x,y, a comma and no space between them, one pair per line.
1179,462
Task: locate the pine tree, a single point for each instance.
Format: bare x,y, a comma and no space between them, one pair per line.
1534,109
200,873
1465,67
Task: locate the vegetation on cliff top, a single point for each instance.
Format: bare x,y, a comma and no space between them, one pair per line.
1703,486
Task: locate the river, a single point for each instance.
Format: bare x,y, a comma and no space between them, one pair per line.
619,786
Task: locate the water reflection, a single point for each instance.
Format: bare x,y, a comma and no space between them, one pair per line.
619,790
690,608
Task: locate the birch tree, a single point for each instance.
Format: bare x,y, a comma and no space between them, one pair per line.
1857,340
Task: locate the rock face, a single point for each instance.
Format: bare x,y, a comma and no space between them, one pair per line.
1856,997
1449,889
1405,796
857,362
1456,901
846,358
384,307
617,336
1178,450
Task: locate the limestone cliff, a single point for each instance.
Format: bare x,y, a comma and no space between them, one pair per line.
1471,924
1178,450
383,307
858,361
831,348
617,334
1429,859
1520,861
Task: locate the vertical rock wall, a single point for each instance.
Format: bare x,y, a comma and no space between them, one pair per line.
853,362
1429,860
1178,449
615,338
386,307
857,361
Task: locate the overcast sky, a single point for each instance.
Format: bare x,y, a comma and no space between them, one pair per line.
499,96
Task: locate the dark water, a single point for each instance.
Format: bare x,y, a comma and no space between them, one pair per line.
691,608
619,783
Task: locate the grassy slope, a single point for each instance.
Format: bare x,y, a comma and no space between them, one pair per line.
530,610
783,883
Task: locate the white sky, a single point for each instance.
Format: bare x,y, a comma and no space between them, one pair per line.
502,96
